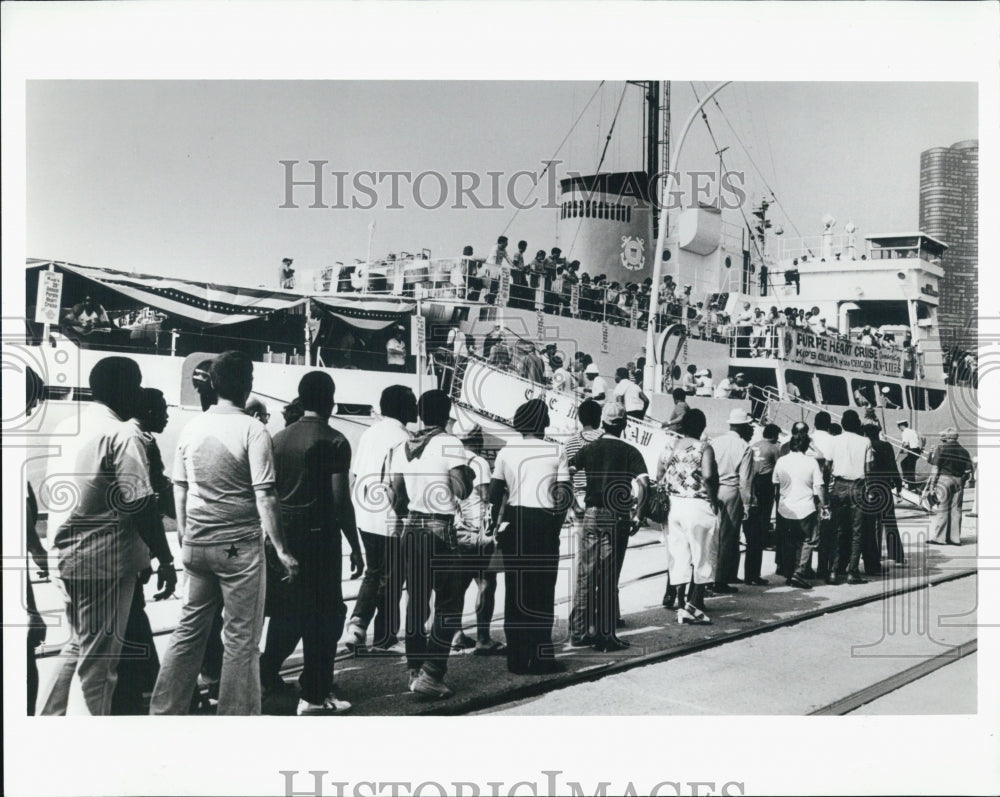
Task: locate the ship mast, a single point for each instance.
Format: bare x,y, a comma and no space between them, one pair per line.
657,143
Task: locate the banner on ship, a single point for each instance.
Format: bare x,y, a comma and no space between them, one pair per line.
498,394
848,355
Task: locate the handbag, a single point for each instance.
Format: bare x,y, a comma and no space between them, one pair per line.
658,503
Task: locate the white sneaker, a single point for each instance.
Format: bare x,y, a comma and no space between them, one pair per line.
328,707
429,686
355,638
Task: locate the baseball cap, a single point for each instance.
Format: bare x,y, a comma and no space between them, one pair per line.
592,369
612,413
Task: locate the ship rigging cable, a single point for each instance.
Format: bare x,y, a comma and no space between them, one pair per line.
561,144
715,143
753,163
600,163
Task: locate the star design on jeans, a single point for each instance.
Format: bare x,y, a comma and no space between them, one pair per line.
231,552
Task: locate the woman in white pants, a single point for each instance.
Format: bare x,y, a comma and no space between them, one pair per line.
692,482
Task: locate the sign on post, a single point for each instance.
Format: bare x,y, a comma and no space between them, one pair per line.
49,299
503,291
574,300
604,337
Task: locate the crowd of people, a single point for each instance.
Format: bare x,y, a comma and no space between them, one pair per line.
262,523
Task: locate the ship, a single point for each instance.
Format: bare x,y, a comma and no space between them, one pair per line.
875,347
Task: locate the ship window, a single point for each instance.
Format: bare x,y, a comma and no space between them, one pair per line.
894,398
803,380
834,390
628,213
872,393
864,392
586,210
922,398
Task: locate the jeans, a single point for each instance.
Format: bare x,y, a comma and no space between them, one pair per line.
756,524
530,548
800,536
824,549
946,519
730,518
595,599
97,612
846,507
233,575
381,588
310,609
430,563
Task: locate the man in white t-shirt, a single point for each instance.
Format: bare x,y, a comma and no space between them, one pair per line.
224,491
850,460
800,495
395,350
630,395
430,479
596,386
371,470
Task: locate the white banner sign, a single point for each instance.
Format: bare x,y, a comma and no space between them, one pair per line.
49,299
497,395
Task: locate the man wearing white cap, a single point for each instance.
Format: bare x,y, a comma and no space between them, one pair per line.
596,386
395,349
734,460
886,401
910,444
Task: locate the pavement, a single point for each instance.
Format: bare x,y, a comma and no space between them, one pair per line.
793,670
377,685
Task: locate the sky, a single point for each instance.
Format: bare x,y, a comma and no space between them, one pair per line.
185,177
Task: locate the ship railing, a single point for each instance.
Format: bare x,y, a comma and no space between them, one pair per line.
775,406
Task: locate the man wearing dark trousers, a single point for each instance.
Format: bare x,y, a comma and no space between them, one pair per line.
884,484
611,466
311,463
765,454
851,459
380,529
430,479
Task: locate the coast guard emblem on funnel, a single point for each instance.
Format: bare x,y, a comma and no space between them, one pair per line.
632,253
